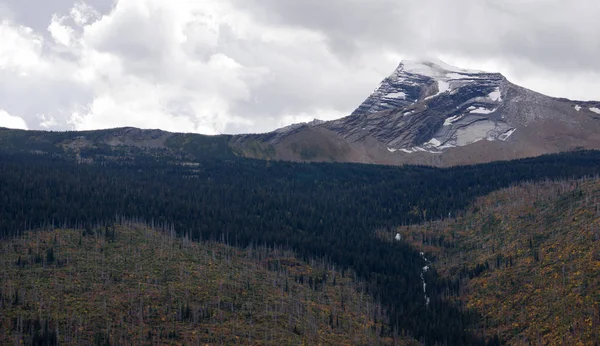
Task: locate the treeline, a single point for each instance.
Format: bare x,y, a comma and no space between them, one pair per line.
326,210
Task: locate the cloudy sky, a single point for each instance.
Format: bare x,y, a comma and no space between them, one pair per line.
232,66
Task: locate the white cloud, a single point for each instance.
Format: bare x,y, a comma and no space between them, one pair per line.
20,49
61,33
82,13
11,121
46,121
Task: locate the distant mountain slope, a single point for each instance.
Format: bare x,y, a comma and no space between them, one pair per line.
527,258
119,144
134,285
432,113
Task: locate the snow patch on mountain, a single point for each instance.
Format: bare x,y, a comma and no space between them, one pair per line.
434,142
421,149
506,134
461,130
577,107
496,95
452,119
443,86
396,95
481,110
595,110
476,132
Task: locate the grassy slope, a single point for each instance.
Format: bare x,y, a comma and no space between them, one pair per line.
529,258
145,287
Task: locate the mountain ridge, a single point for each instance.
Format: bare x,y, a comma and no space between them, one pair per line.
426,113
436,114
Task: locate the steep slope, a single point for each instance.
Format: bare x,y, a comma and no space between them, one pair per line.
527,258
432,113
134,285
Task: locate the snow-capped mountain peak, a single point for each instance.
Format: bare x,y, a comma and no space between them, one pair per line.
430,112
416,80
441,106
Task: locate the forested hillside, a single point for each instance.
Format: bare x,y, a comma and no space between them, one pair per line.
120,144
134,285
327,211
527,258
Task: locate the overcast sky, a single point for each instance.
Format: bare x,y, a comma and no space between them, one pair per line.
233,66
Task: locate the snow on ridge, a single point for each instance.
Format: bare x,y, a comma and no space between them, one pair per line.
577,107
595,110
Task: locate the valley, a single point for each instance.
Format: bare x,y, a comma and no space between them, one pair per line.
299,172
319,212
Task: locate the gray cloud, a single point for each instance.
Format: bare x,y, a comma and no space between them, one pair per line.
253,65
547,32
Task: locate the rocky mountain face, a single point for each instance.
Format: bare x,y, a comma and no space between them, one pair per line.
442,107
428,112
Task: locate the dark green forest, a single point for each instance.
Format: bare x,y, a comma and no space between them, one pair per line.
323,210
